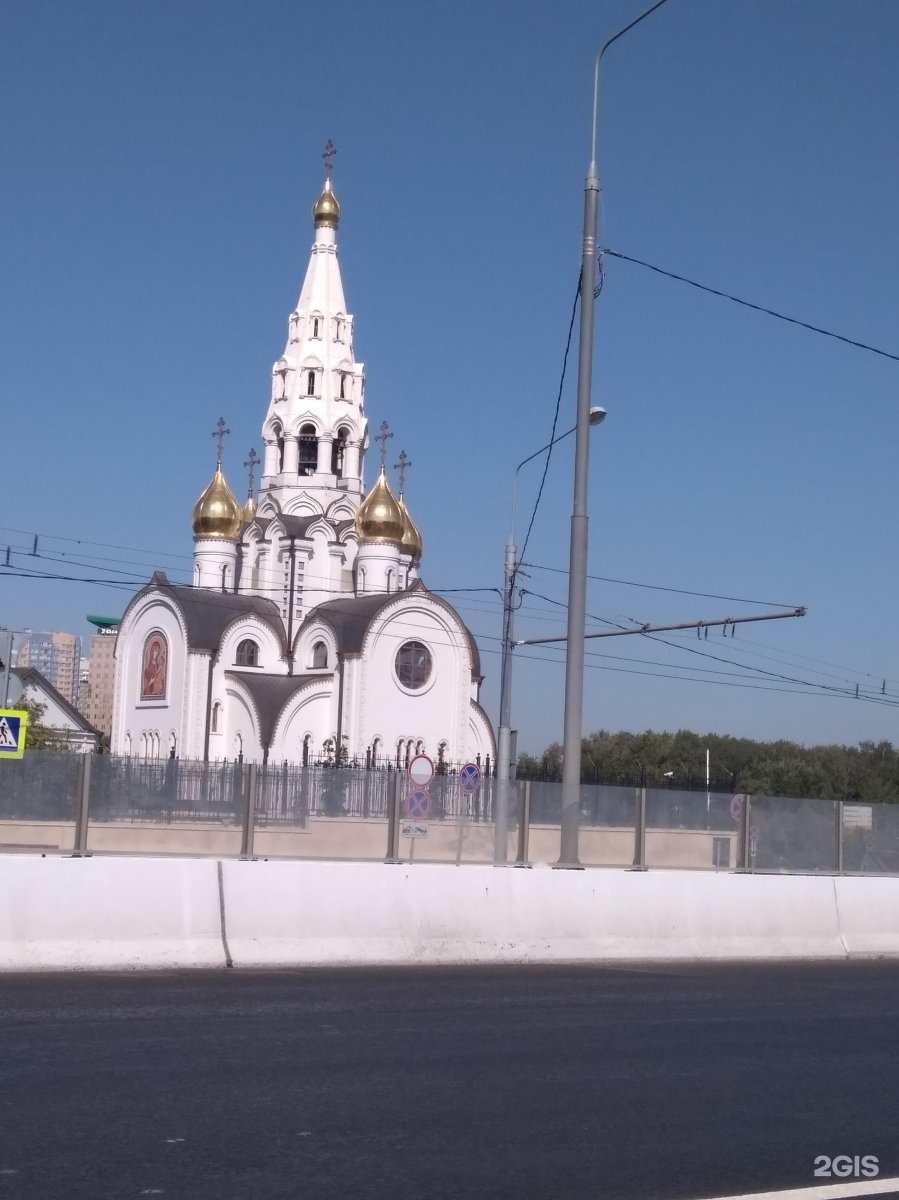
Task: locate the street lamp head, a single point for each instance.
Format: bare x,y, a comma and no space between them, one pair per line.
597,414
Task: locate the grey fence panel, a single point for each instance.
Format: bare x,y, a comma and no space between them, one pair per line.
41,786
166,790
788,834
871,838
674,809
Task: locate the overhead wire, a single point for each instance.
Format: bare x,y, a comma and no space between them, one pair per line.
702,287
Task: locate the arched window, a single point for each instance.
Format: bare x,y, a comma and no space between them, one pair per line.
338,332
376,748
319,656
127,745
343,395
316,327
310,383
308,450
247,654
280,436
307,749
338,452
216,715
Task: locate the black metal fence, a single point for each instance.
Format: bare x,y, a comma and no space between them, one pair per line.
762,833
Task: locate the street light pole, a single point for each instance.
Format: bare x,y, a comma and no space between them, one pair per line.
577,568
504,732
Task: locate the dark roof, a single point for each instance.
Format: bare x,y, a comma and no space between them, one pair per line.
342,526
351,616
208,614
270,694
297,526
31,675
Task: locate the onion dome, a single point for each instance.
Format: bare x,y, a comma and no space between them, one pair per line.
380,518
326,210
248,512
411,543
217,513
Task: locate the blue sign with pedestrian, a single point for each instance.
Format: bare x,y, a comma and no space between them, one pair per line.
470,778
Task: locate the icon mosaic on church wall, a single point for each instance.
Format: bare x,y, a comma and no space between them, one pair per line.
155,668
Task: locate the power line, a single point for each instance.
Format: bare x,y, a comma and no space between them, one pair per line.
657,587
702,287
552,438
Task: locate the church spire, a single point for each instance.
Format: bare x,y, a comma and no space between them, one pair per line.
315,428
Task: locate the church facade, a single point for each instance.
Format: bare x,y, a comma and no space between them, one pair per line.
307,632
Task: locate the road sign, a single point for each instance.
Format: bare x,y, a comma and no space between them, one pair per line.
414,829
736,807
470,778
13,728
421,770
418,803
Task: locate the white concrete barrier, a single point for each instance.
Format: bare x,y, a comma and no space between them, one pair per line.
108,913
283,913
868,910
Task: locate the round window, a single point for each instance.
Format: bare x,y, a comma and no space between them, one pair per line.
413,665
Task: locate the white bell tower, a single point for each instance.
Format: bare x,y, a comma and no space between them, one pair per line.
315,428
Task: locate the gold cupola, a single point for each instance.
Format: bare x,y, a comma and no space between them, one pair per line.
217,514
411,543
326,210
248,512
380,518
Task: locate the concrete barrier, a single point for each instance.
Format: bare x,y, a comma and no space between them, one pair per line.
108,913
281,914
868,910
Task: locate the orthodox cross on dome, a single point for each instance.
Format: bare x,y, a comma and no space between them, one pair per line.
382,438
403,466
219,432
251,462
328,156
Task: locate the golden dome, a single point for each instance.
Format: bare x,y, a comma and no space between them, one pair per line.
248,512
380,518
411,543
217,513
326,210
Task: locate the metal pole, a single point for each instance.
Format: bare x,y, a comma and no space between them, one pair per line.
524,823
839,837
504,737
84,792
577,569
393,818
640,830
744,834
249,812
7,666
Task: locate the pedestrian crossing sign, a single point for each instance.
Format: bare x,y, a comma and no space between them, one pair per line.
13,727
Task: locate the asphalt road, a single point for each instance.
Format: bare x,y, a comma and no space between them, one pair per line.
680,1082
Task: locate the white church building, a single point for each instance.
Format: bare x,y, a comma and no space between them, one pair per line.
307,632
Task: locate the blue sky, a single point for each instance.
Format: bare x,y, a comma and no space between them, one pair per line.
159,164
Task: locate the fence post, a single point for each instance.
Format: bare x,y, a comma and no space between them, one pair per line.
249,813
81,818
393,818
839,837
744,834
639,863
524,823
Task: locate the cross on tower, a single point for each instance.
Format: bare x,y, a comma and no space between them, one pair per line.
219,432
402,466
382,438
251,462
328,156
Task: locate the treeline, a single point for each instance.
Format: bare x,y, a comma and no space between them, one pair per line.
866,772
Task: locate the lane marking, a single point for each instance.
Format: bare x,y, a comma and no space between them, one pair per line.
824,1191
